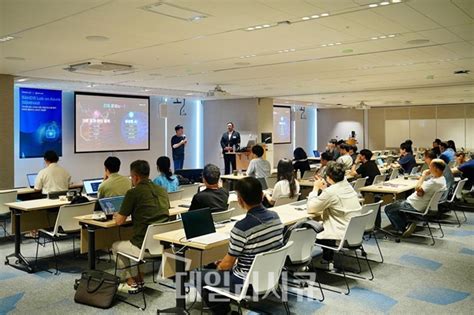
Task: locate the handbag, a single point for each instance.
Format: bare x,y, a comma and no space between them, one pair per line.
96,288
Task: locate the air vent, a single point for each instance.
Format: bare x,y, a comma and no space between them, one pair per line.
462,72
100,68
175,11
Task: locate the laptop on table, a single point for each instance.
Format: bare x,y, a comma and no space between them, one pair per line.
31,179
91,186
199,227
111,205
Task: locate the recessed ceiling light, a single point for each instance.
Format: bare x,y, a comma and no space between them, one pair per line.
323,45
146,90
189,94
97,38
373,5
384,3
258,27
314,16
266,25
15,58
250,28
382,37
331,44
396,1
22,80
91,85
292,49
197,18
338,43
324,14
305,18
391,35
374,38
6,39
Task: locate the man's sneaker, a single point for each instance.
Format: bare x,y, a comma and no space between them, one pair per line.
192,295
410,229
128,289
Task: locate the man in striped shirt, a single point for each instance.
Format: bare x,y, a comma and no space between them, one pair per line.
260,231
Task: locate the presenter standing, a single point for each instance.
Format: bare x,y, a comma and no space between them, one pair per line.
230,142
178,142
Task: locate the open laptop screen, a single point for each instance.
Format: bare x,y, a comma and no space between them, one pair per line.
91,186
198,222
111,205
31,179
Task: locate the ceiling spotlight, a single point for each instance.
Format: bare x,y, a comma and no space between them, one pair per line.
391,35
338,43
383,36
384,3
91,85
305,18
6,39
323,45
324,14
22,80
331,44
292,49
374,38
258,27
373,5
314,16
396,1
250,28
266,25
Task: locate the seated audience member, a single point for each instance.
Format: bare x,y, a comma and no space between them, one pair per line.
451,145
166,179
353,153
213,196
114,184
460,159
447,151
258,167
407,161
447,173
368,167
325,158
53,177
336,204
419,200
345,158
410,145
287,185
331,148
147,203
300,161
246,241
467,171
436,148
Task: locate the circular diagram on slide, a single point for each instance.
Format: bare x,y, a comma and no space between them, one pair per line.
134,127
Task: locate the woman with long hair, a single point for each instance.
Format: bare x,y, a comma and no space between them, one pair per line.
300,160
166,179
287,185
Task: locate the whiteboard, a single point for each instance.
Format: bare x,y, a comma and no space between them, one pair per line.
396,132
422,132
452,129
470,133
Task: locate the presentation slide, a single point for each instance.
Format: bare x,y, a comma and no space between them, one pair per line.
40,122
106,123
281,124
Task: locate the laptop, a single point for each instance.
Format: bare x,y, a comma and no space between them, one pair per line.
316,153
111,205
31,179
91,186
379,162
199,227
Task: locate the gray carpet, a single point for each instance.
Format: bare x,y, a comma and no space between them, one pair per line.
415,278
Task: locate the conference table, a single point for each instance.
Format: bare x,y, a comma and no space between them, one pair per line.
289,214
27,193
390,190
96,234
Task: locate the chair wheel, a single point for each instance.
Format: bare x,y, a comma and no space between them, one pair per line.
397,240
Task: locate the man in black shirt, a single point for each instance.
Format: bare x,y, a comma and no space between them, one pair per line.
213,196
367,168
178,142
230,142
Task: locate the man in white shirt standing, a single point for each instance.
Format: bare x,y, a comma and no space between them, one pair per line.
419,200
258,167
53,177
345,157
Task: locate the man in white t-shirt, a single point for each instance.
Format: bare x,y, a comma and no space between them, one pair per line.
419,200
53,177
345,157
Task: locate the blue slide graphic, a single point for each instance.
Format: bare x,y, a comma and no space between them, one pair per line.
40,122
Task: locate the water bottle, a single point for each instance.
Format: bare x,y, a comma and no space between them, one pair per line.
298,174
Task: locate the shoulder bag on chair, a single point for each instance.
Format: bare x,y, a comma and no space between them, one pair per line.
96,288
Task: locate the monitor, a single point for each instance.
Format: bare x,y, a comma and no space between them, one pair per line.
197,223
316,153
379,161
91,186
194,175
281,124
111,205
31,179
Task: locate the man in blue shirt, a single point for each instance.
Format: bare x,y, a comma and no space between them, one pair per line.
178,142
467,170
407,160
260,231
447,151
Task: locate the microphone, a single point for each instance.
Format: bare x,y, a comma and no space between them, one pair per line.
184,136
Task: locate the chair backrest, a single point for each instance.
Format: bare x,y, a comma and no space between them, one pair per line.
355,230
222,216
6,197
286,200
375,208
65,219
238,210
271,181
359,183
303,243
457,192
176,195
394,173
152,246
188,191
264,274
309,174
379,179
415,170
434,201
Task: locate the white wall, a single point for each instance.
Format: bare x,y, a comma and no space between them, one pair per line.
338,123
90,165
